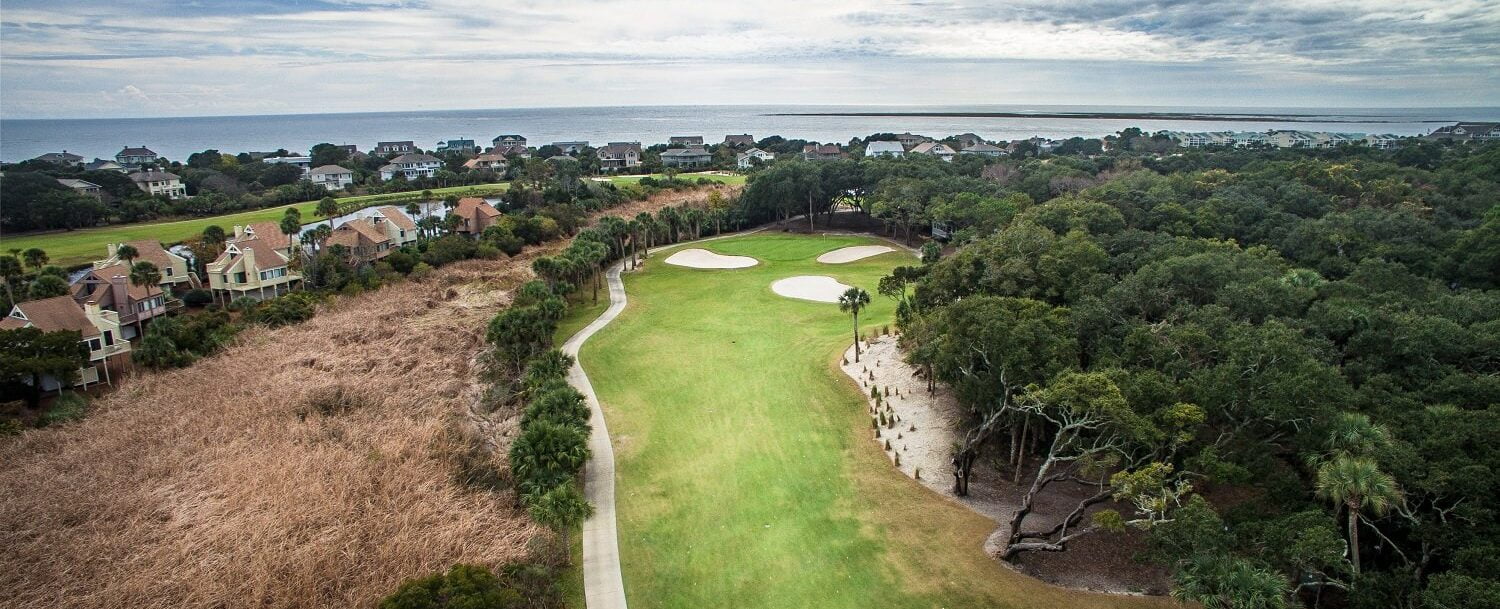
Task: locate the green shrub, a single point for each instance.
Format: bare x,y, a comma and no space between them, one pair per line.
243,303
461,587
402,262
290,309
420,271
198,297
70,406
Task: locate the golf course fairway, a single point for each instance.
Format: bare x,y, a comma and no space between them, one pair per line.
745,474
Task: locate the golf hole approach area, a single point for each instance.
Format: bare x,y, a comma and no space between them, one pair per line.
744,471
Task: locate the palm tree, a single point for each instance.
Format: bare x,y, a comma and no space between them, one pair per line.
10,269
561,509
35,257
144,274
328,207
127,254
412,209
851,301
1359,486
213,234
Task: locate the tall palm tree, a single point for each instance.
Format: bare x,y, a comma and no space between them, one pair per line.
328,207
1358,485
851,301
412,209
146,275
35,257
127,254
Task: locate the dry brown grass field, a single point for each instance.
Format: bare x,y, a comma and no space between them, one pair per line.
309,466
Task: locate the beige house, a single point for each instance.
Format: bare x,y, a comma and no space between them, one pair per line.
109,288
365,241
476,215
492,161
175,270
253,263
397,225
98,328
164,183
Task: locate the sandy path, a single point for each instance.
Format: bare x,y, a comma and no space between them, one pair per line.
703,259
852,253
817,288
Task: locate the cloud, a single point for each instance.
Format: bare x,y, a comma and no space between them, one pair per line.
348,55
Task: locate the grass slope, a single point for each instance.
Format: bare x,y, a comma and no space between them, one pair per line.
73,248
745,472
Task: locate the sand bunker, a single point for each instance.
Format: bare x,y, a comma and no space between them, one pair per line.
704,259
817,288
850,254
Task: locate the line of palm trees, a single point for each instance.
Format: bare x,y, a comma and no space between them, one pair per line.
629,239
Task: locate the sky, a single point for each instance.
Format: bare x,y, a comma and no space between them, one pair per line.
128,58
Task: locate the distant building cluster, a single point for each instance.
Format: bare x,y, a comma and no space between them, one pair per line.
1282,138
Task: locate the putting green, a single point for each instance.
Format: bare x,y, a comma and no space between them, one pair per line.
744,473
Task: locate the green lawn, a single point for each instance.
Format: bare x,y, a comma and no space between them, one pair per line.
745,473
73,248
733,179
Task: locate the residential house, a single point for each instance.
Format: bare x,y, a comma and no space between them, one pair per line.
1383,141
365,241
386,149
984,149
135,157
97,328
822,152
1290,139
475,215
507,141
911,139
163,183
83,187
686,157
571,147
492,161
937,149
349,149
1248,139
519,151
1480,132
743,140
746,159
253,262
331,177
619,155
967,140
271,233
684,141
885,148
412,166
63,158
110,289
175,270
398,227
459,146
1201,139
105,165
302,162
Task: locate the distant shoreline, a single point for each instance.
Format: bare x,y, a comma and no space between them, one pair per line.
1162,116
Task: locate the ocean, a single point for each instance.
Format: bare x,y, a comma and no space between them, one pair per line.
176,138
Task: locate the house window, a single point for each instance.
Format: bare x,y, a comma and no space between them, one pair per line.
109,338
168,271
239,277
93,344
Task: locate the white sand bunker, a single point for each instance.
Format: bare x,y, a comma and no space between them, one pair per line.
850,254
817,288
704,259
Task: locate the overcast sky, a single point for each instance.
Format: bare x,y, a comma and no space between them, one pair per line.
110,58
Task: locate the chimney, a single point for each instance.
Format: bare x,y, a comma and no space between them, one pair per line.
118,289
91,309
239,231
111,248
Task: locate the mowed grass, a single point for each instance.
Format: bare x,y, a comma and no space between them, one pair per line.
78,247
746,476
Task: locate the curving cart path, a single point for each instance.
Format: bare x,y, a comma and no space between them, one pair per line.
603,588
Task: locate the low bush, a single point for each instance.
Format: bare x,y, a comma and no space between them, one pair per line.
198,297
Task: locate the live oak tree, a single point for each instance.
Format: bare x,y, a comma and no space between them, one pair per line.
28,355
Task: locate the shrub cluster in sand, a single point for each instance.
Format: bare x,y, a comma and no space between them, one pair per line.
853,253
703,259
817,288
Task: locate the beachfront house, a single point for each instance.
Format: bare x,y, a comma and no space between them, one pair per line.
175,270
684,141
365,241
1383,141
743,140
490,160
506,141
110,289
1478,132
908,139
83,187
396,225
746,159
386,149
475,215
411,166
98,329
937,149
301,162
686,157
984,149
105,165
64,158
822,152
571,147
460,146
619,155
331,177
885,148
162,183
136,157
254,262
966,141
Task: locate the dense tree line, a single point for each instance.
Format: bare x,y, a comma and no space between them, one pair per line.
1284,366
